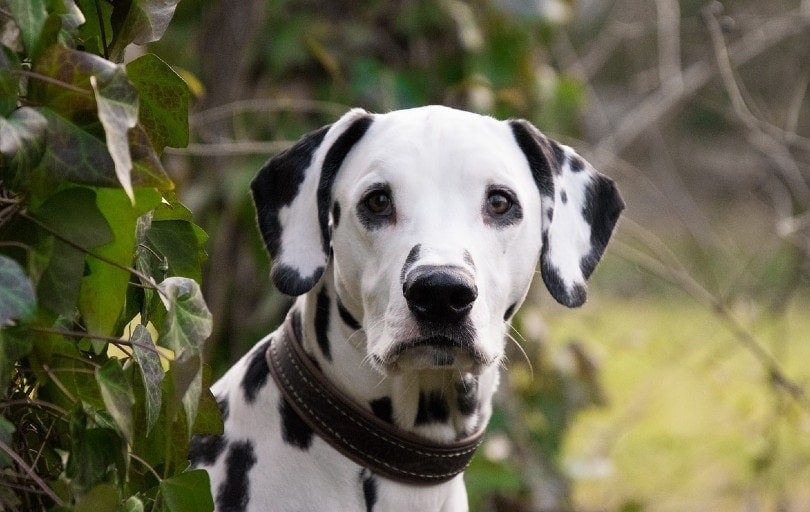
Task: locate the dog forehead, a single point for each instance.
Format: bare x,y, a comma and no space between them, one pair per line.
436,145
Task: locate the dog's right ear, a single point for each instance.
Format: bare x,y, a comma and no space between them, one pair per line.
293,192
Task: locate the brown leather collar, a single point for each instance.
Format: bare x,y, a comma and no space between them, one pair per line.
354,431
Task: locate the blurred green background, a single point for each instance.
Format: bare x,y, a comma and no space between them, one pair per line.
682,383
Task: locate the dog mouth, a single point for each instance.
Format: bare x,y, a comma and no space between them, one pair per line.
434,352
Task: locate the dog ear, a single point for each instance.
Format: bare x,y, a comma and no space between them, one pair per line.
580,210
292,193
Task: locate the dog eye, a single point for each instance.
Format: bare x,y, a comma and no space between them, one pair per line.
498,202
378,203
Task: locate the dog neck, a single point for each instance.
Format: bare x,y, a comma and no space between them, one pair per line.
441,405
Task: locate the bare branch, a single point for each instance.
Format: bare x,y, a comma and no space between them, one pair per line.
656,106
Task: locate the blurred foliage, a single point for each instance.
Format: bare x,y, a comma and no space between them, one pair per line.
102,319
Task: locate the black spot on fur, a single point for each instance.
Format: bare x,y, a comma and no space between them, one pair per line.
224,408
510,311
277,182
331,165
559,155
538,154
467,395
290,282
322,323
256,373
577,164
564,197
297,323
602,208
369,489
383,409
335,214
432,408
468,259
274,187
294,430
413,255
347,317
233,494
206,449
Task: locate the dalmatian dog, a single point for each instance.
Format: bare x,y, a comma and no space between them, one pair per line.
410,240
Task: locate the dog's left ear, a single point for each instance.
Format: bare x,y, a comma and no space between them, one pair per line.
293,192
580,210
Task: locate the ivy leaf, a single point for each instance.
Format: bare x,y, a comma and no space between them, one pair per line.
103,290
22,142
101,498
72,215
9,81
177,241
117,395
30,16
163,99
188,322
117,102
17,299
139,22
187,325
188,492
151,373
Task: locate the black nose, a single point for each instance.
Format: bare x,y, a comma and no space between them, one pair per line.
439,294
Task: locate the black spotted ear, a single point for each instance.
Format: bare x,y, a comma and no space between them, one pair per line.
580,210
292,195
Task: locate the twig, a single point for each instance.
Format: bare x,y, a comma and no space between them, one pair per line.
146,465
110,339
31,474
655,106
29,402
764,134
678,275
235,108
232,148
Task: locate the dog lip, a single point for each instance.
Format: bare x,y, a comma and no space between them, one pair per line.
434,351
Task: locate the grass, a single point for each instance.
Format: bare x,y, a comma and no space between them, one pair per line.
692,422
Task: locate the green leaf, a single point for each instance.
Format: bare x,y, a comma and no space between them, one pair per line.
17,299
73,215
117,395
9,82
177,241
188,322
75,154
96,454
90,33
101,498
139,22
117,102
30,16
103,290
187,325
151,373
22,142
163,101
133,504
187,492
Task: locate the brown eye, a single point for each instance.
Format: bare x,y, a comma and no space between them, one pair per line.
378,203
498,203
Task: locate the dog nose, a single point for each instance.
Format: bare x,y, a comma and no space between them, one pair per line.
439,294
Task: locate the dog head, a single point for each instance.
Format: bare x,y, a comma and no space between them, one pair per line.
431,222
